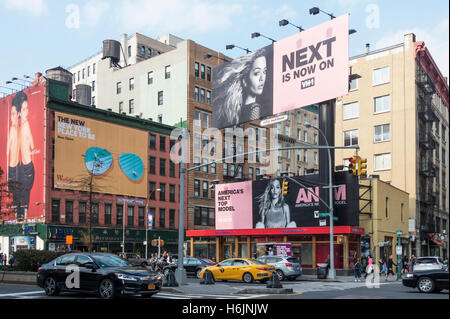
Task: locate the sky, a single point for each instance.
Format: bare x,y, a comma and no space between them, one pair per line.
41,34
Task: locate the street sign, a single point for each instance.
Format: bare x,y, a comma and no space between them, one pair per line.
274,120
69,239
398,250
322,222
399,231
316,214
155,242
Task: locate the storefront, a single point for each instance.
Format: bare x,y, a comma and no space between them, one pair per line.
310,244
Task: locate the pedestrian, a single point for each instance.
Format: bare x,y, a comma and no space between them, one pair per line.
383,267
11,259
153,261
168,258
390,268
358,268
412,262
405,265
369,268
1,259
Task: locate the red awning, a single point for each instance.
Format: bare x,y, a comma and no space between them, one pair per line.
437,242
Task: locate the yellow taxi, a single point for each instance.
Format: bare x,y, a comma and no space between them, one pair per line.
245,269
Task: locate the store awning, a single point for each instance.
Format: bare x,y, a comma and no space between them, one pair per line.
437,242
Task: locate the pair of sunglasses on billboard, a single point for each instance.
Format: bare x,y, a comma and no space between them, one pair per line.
98,161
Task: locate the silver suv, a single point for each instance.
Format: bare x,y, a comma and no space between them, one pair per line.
285,267
427,263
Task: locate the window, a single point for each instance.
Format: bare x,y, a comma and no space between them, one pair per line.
196,95
225,169
171,193
202,95
382,133
202,71
130,219
89,70
305,136
83,74
305,156
197,69
208,73
160,98
149,53
205,161
143,51
350,110
205,189
197,187
351,138
94,213
108,209
131,84
315,158
152,165
162,192
152,190
387,207
287,131
250,173
78,75
382,162
205,123
93,100
159,118
131,106
162,167
119,87
93,86
129,51
380,76
69,212
141,216
120,107
93,68
171,169
213,168
153,141
382,104
162,218
82,213
316,140
167,72
150,77
353,85
162,143
119,215
55,210
172,218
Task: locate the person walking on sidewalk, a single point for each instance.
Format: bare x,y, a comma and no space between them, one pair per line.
390,268
369,268
383,271
405,265
358,269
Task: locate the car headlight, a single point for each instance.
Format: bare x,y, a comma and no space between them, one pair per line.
125,277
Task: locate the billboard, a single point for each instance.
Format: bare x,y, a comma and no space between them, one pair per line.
263,203
112,155
21,154
306,68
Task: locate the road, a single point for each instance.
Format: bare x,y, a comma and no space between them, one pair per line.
231,290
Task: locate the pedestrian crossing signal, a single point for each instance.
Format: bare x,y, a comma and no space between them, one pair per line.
285,188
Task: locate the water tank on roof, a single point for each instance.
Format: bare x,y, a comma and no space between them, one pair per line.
83,94
111,49
62,75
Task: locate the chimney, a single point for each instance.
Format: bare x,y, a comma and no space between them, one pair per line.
367,48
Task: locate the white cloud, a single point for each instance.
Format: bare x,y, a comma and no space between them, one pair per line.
34,7
93,11
435,38
176,15
272,16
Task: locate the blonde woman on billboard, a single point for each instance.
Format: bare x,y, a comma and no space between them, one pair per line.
239,85
273,211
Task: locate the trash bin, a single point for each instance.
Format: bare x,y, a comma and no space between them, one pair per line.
322,271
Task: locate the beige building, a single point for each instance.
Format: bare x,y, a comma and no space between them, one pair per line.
397,112
383,211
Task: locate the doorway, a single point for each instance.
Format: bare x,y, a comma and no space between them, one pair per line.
227,250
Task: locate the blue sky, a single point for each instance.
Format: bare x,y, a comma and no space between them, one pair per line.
41,34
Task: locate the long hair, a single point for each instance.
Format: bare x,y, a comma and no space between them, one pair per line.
265,199
231,77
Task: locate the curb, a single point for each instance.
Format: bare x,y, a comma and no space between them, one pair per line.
265,291
172,290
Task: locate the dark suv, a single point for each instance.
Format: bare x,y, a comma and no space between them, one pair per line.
134,259
192,265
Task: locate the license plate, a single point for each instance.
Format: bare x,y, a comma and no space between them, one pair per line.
149,287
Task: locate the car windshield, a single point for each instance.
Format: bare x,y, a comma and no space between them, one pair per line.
256,262
110,261
208,261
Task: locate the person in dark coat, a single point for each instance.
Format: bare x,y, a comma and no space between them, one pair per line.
390,268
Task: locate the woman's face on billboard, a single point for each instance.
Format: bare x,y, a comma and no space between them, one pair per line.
257,76
275,189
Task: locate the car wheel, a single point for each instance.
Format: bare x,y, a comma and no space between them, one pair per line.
280,274
197,274
106,289
425,284
247,278
50,287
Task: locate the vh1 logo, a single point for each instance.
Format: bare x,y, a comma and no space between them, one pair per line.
310,195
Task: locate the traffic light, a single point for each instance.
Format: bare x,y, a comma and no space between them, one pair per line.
284,189
362,167
352,167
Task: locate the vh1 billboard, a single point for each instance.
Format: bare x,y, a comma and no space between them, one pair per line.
22,155
112,155
261,204
306,68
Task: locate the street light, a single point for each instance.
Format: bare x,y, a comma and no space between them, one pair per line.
332,272
284,22
17,79
257,34
146,224
21,85
232,46
316,10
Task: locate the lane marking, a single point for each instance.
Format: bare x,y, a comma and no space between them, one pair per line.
22,293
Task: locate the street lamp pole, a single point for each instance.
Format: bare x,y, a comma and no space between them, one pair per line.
180,272
146,224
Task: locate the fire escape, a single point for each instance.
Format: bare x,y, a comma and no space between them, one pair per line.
428,169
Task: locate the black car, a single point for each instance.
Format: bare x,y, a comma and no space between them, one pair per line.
433,280
103,274
192,265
